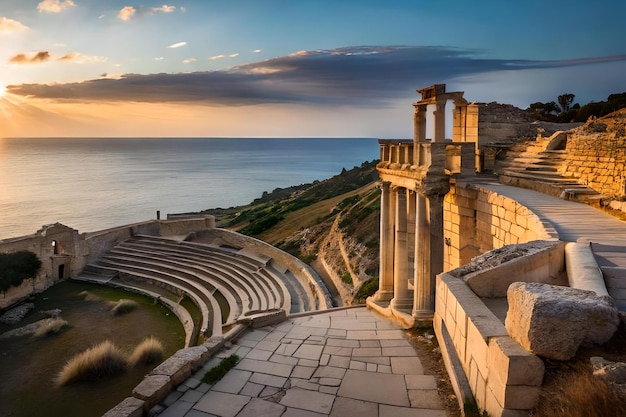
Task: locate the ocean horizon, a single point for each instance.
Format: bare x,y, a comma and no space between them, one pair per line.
92,184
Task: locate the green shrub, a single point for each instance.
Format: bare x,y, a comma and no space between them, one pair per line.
97,362
147,352
347,278
217,372
16,267
368,288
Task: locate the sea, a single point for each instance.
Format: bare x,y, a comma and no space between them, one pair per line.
92,184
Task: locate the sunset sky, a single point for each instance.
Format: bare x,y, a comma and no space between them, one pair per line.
280,68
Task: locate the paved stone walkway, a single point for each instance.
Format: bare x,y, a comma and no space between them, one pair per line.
573,220
340,363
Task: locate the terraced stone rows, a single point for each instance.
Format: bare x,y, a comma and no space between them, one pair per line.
249,284
258,294
157,266
201,297
286,288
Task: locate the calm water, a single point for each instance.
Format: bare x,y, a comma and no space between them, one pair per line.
94,183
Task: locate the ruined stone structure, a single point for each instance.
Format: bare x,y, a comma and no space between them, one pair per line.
415,177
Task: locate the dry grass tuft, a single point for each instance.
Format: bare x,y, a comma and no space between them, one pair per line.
577,393
49,327
123,306
97,362
87,296
147,352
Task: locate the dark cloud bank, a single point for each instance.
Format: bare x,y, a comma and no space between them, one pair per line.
360,76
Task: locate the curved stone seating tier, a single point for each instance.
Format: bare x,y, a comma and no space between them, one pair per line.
220,269
292,297
248,282
270,290
208,306
157,266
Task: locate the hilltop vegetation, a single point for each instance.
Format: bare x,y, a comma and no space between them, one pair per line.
567,111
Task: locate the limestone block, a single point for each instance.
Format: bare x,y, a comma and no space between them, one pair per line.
129,407
152,389
553,321
510,364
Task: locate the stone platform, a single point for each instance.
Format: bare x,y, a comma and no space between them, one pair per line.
337,363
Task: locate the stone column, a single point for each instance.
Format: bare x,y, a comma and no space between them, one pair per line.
385,274
401,296
421,290
428,253
435,208
440,121
419,130
410,230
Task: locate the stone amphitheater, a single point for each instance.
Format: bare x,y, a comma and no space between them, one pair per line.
477,231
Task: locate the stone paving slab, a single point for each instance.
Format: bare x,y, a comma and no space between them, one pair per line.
340,363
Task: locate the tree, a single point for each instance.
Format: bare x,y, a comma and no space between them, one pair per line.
565,101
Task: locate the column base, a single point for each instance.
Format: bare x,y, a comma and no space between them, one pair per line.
402,303
382,295
423,315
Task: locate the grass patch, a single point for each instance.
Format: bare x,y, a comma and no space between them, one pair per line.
123,306
50,326
577,393
97,362
217,372
87,296
147,352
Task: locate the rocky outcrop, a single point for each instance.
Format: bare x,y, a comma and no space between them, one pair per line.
553,321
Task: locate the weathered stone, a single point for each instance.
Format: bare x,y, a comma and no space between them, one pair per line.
129,407
609,371
553,321
152,389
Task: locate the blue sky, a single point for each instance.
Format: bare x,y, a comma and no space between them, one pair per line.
290,68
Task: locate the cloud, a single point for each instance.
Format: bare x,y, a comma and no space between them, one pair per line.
33,58
126,13
129,12
256,51
233,55
189,60
164,9
214,57
81,59
10,25
357,76
159,58
44,56
54,6
177,45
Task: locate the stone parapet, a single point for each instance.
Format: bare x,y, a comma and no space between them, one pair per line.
504,379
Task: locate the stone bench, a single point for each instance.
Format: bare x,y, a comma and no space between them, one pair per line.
161,271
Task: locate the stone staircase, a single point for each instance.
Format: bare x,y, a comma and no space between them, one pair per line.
532,166
225,284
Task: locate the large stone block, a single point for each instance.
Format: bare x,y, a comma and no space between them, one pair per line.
553,321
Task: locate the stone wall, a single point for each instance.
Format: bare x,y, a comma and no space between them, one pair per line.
503,378
597,158
64,251
477,220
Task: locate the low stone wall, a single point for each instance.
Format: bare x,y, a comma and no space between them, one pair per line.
596,156
503,378
477,220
